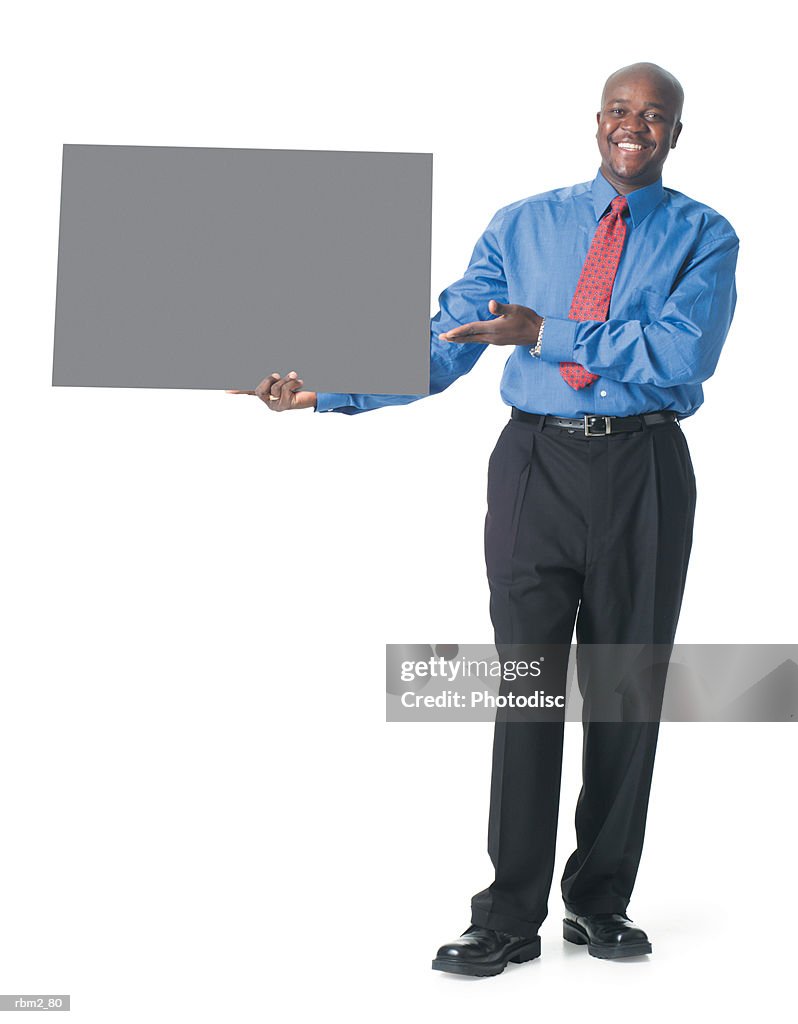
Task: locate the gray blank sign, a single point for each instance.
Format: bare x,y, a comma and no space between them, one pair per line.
211,268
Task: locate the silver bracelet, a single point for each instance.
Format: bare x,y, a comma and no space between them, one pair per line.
536,350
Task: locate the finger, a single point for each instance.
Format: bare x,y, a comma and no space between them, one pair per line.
500,308
239,392
482,339
477,327
268,389
267,381
289,389
474,330
283,399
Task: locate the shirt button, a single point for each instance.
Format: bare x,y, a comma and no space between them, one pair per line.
603,394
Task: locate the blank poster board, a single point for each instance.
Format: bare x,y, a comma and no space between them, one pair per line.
182,267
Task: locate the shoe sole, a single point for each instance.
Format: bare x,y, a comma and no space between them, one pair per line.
574,933
531,951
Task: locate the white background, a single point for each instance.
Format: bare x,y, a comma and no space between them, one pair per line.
202,811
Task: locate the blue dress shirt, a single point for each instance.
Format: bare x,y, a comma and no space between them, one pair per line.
671,308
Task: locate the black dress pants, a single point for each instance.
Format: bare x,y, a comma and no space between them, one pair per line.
592,532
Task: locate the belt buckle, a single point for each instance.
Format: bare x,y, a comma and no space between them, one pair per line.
598,433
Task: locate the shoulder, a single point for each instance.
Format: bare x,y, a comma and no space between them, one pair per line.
541,203
709,226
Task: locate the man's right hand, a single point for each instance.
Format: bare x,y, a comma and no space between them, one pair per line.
281,393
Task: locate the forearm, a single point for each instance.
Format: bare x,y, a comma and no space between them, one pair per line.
353,404
664,353
683,344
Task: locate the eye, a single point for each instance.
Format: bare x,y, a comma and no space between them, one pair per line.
652,116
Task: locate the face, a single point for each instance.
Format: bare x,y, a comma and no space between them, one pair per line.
637,128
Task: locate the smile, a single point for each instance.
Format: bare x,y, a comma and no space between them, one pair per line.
630,147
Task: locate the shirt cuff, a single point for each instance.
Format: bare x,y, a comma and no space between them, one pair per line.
558,340
327,401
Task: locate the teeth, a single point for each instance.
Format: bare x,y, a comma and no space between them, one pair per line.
629,145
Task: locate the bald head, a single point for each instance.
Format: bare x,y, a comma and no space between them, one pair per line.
645,71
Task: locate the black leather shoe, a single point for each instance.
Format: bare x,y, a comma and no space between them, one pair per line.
483,952
607,936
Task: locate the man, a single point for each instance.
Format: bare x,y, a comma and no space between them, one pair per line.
615,297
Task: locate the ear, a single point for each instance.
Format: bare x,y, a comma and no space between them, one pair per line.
677,131
598,117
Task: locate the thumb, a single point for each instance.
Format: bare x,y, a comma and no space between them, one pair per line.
499,308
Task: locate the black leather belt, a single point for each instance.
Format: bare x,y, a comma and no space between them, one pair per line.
596,426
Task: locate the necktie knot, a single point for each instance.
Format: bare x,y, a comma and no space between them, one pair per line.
619,205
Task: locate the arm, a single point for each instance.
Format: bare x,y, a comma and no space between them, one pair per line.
681,347
467,299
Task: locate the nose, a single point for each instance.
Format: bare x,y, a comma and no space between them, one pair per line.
634,123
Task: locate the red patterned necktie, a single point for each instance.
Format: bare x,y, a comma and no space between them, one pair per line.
592,297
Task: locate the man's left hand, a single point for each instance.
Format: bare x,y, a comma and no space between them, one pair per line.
514,325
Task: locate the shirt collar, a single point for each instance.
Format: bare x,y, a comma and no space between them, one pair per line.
641,202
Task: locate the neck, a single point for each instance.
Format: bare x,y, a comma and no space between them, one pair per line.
622,186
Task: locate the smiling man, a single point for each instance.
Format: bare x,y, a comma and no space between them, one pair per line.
614,298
